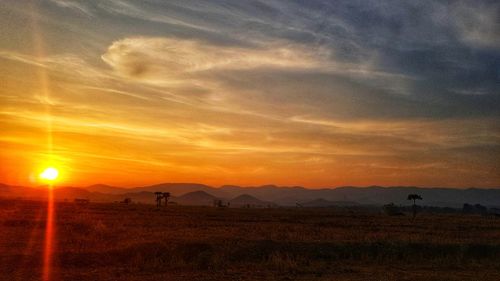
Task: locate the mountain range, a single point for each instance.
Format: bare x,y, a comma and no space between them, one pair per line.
267,195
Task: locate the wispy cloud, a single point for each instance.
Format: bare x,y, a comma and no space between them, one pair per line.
75,5
477,24
173,59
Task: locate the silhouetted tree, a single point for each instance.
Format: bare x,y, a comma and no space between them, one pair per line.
414,197
166,195
159,196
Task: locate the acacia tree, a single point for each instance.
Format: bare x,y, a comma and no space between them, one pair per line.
414,197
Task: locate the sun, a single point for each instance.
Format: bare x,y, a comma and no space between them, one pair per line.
49,174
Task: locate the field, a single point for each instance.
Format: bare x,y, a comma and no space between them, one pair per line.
140,242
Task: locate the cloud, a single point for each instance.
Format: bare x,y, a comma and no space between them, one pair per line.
14,56
75,5
147,13
178,59
67,64
477,24
174,62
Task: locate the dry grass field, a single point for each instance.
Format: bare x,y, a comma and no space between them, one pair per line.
140,242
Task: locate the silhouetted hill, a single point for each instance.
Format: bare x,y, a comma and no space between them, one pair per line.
373,195
103,188
248,200
284,196
195,198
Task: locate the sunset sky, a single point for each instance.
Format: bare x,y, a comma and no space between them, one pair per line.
312,93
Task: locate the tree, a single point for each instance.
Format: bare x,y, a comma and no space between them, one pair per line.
159,196
414,197
166,195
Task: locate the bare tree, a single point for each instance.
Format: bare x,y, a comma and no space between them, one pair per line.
414,197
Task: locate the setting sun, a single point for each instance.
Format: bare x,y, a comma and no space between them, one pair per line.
49,174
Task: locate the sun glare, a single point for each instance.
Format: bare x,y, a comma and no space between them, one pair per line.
49,174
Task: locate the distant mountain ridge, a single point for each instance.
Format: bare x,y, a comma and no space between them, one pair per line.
103,188
280,195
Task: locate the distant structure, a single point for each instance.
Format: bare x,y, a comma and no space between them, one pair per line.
474,209
81,201
127,201
161,195
219,204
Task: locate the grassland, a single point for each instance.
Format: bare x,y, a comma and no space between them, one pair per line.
140,242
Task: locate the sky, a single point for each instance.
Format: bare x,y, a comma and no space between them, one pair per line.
311,93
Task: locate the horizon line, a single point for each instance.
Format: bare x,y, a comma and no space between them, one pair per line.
256,186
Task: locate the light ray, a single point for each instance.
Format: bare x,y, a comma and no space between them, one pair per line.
44,87
49,237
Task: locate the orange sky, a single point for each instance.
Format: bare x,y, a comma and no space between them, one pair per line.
134,95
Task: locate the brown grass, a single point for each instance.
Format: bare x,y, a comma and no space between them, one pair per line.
139,242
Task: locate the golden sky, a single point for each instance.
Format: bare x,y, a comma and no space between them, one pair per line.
226,92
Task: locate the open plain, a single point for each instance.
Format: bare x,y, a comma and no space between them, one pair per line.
141,242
